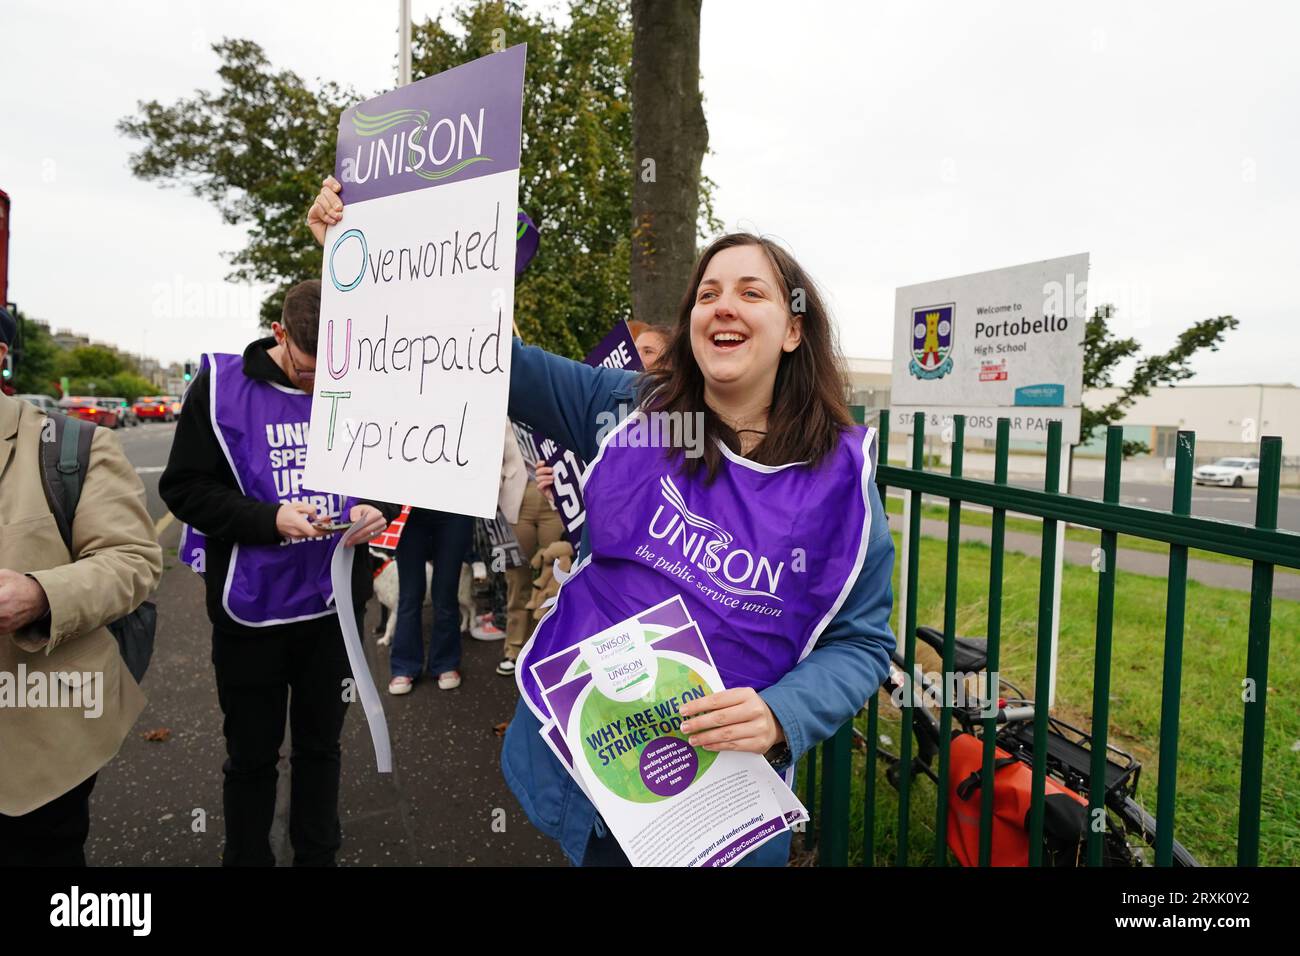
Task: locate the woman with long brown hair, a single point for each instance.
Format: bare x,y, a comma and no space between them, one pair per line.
793,592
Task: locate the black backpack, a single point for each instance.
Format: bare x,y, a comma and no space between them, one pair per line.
65,457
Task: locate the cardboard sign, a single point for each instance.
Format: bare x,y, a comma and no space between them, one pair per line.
413,361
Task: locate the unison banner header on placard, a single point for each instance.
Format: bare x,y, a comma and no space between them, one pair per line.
459,125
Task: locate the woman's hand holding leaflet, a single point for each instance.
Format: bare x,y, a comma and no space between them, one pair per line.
735,719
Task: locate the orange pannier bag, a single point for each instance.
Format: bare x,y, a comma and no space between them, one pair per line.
1064,813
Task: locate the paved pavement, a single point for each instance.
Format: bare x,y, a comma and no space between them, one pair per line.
159,802
1226,504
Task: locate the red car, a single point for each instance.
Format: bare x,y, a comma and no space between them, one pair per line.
89,410
156,407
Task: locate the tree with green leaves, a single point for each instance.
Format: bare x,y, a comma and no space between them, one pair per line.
91,361
35,359
256,150
40,363
100,370
575,175
258,147
1102,352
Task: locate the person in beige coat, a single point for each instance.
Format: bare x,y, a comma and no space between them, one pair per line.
67,700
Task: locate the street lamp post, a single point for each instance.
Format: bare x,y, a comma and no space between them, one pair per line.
404,42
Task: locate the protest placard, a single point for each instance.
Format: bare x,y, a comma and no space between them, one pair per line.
417,294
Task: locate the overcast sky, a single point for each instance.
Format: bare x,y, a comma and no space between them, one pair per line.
885,144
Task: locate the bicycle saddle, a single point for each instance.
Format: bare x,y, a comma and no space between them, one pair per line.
971,652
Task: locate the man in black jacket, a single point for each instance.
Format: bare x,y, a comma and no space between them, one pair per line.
235,475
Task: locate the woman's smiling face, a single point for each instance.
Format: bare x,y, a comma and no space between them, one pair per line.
740,322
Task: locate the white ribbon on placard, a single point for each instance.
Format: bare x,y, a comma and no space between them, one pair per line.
341,578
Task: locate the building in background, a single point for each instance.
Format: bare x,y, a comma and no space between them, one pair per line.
869,385
172,379
1228,420
66,339
149,368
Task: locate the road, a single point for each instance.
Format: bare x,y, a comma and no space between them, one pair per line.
445,804
1226,504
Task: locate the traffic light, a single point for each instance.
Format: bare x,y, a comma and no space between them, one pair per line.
189,371
7,368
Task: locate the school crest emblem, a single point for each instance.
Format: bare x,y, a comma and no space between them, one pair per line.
932,330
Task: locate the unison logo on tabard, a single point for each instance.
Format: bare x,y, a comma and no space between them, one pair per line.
707,545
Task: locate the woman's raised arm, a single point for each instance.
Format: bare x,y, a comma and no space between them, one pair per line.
567,400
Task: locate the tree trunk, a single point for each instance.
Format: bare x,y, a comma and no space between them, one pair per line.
669,137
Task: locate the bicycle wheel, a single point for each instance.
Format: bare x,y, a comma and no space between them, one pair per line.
926,697
1141,828
925,727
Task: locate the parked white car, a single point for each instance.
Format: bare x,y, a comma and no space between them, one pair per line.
1237,472
43,402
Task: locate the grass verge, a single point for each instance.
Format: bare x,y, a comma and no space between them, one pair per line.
1212,709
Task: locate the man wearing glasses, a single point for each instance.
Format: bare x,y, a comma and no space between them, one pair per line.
235,475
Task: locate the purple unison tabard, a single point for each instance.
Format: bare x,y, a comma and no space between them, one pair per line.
763,557
262,429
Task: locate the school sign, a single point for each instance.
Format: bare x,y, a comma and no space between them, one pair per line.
1006,343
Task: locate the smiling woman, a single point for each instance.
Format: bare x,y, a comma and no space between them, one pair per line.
774,538
754,349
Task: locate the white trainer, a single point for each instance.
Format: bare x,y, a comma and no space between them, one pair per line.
400,685
484,628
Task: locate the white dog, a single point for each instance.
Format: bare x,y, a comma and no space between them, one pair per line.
387,590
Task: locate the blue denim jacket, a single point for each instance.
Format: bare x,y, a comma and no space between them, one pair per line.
569,401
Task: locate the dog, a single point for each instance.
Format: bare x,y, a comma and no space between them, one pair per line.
388,592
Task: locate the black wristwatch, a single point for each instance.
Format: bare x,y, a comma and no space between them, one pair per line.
778,755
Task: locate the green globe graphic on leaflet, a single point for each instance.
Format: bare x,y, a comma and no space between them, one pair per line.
658,763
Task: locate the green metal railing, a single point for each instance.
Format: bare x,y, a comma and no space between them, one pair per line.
1262,544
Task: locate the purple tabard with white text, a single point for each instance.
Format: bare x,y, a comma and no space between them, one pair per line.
262,429
763,557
